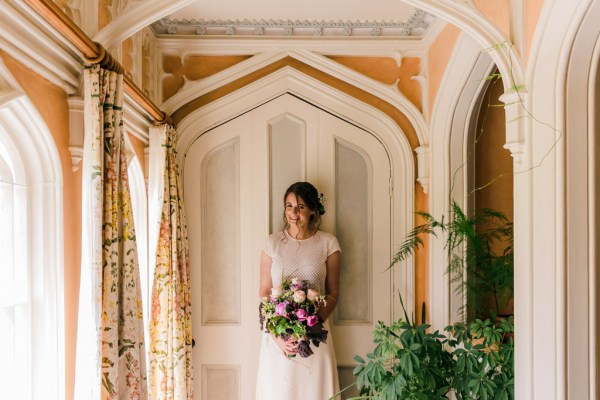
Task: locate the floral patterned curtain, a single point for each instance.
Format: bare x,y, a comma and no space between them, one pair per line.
170,350
110,344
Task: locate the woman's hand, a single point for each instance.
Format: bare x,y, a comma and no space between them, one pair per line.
288,347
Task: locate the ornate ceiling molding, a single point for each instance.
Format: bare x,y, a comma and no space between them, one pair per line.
34,43
416,25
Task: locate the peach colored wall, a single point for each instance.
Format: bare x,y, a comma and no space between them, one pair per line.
138,147
421,257
104,13
439,54
493,163
533,8
387,71
192,68
127,61
494,167
497,11
51,103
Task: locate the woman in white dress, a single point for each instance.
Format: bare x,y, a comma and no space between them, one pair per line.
301,250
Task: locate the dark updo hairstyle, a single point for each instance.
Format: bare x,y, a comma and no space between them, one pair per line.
307,192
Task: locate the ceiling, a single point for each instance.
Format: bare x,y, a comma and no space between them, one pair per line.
296,18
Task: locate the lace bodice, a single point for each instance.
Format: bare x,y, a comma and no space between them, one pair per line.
304,259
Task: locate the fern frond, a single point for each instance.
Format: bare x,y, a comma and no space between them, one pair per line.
412,242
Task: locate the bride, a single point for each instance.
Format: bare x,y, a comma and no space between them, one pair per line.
301,250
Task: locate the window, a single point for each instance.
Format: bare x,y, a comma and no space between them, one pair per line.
14,289
137,188
32,341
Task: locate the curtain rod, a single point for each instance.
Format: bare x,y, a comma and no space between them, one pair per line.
94,53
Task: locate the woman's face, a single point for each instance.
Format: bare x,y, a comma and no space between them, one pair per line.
296,211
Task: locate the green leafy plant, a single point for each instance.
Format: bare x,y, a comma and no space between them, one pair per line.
473,361
479,251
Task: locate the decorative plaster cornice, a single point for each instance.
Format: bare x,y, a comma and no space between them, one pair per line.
28,38
515,116
415,25
76,130
137,121
423,167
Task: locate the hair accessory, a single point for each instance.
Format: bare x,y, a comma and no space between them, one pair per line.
321,206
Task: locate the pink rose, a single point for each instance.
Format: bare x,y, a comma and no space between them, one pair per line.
312,320
280,309
312,294
299,296
301,314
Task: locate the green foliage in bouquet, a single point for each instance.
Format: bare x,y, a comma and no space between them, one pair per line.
291,311
473,361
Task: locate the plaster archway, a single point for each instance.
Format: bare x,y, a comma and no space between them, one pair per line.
311,63
543,361
453,121
289,80
481,30
582,225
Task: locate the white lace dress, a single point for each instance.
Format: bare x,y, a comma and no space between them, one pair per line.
314,377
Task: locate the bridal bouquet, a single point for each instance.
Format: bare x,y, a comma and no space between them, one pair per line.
291,311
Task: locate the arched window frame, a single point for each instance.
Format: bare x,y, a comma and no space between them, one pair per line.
29,145
139,202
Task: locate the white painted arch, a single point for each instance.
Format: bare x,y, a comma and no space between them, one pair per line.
481,30
135,19
582,94
555,211
289,80
26,138
388,93
453,122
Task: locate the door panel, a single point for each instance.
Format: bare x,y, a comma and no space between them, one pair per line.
356,169
235,176
216,176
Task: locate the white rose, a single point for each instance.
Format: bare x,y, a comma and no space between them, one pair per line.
299,296
312,294
296,281
276,292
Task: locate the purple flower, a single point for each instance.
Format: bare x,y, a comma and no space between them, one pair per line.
280,309
301,314
304,349
312,320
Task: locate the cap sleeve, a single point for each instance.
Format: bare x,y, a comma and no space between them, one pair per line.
333,246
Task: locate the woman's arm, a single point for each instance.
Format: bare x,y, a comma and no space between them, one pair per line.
265,275
332,284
